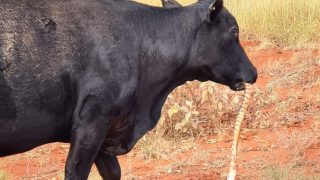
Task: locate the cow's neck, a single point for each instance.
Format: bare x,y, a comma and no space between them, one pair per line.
167,34
165,38
164,58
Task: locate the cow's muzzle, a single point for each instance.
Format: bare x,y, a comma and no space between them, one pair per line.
238,86
249,77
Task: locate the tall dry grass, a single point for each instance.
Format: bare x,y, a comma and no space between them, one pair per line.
286,22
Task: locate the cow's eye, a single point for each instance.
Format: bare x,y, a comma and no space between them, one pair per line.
235,31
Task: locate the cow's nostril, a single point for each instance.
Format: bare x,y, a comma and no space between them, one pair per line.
239,81
251,76
254,76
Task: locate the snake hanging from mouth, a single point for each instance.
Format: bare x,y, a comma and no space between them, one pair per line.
240,117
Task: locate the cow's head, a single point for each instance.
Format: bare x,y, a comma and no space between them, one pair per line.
216,52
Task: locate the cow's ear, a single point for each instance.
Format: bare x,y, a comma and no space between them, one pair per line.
216,5
170,4
214,8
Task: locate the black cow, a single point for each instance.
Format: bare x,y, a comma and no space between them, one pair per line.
96,73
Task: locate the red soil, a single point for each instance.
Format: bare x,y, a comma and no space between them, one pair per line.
258,147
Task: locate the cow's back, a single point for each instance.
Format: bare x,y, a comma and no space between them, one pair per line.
43,50
46,47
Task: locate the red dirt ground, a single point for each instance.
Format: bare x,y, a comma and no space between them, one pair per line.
208,158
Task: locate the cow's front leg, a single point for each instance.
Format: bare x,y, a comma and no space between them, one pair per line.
108,166
89,130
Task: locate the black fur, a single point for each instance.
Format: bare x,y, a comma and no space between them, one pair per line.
96,73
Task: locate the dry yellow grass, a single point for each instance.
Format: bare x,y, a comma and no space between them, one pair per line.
277,172
289,22
3,175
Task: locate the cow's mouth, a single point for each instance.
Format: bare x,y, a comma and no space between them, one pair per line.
239,86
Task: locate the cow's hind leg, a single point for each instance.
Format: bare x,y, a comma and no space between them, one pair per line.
108,166
89,130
